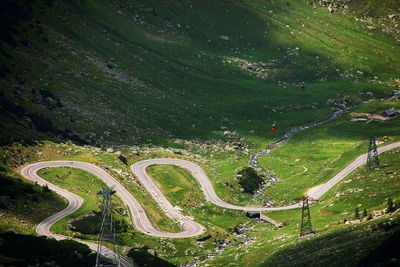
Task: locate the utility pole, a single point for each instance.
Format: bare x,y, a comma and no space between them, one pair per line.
306,228
372,153
105,256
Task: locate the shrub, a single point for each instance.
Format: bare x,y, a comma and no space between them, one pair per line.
397,205
90,225
357,214
123,159
250,181
45,188
390,207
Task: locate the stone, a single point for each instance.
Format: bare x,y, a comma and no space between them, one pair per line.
227,133
224,37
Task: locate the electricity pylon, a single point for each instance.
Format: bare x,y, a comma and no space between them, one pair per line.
105,256
306,227
372,153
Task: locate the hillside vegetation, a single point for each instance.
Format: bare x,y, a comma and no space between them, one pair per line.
341,239
40,251
133,72
19,199
116,82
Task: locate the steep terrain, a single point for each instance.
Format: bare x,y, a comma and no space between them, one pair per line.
133,72
204,80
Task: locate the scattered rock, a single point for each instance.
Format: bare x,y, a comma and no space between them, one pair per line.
228,184
223,37
234,135
389,113
359,119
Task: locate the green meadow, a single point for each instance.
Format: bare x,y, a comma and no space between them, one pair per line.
163,71
336,241
175,78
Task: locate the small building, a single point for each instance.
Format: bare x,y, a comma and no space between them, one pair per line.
391,112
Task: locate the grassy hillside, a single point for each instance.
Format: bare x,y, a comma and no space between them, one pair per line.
341,238
347,246
362,189
19,199
19,246
314,156
131,72
220,223
85,185
27,250
205,79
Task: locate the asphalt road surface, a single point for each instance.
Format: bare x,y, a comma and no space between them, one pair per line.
74,200
189,227
322,189
139,169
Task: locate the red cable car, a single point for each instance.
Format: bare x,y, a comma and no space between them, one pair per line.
274,126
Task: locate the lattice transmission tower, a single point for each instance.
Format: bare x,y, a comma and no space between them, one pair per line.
372,156
106,256
306,227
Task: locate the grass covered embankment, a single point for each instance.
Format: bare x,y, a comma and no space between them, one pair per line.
341,238
19,245
315,155
181,70
19,199
86,186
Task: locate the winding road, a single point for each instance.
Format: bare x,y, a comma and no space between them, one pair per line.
190,228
